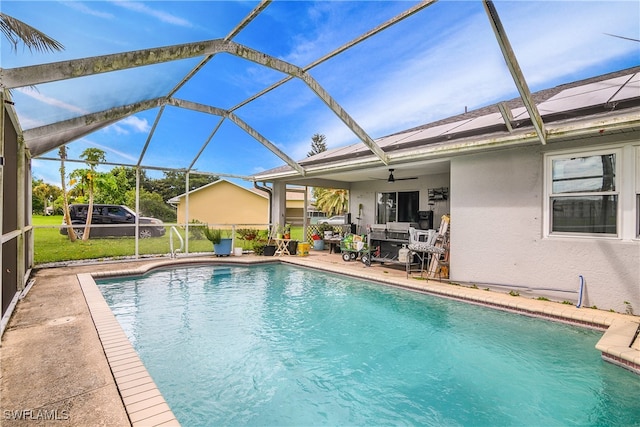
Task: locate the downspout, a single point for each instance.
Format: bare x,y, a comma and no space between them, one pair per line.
267,190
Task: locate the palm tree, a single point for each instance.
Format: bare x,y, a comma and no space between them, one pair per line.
62,151
17,31
92,156
333,201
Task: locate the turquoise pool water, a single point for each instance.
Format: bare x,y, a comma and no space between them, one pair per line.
279,346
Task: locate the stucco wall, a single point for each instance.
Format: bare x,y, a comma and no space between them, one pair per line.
497,236
365,193
225,203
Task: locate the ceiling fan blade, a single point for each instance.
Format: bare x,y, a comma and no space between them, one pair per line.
394,179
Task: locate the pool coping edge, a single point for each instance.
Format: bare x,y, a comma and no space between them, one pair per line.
615,345
141,398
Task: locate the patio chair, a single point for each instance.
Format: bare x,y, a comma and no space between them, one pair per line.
421,245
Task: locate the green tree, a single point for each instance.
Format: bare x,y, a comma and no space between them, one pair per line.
318,144
42,195
151,204
331,201
92,156
125,180
173,184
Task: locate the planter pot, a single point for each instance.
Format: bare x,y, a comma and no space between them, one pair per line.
269,250
223,248
293,247
318,245
303,249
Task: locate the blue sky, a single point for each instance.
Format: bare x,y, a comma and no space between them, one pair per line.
432,65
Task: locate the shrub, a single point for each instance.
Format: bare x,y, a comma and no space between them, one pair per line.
196,230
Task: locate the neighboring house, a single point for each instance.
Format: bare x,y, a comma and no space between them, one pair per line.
530,210
223,202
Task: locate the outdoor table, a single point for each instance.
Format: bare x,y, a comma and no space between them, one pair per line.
282,247
334,244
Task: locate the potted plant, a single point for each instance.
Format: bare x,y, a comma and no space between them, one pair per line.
318,243
221,243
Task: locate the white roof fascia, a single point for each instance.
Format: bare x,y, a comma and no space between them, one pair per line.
570,129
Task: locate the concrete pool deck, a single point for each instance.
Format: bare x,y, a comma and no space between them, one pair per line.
65,360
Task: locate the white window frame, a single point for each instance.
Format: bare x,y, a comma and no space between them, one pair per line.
548,191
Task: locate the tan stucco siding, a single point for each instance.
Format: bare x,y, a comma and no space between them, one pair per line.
225,203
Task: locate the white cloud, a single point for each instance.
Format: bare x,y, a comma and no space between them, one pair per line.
33,93
82,7
139,125
158,14
129,124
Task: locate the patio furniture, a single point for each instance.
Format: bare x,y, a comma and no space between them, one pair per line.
282,247
439,264
334,243
421,245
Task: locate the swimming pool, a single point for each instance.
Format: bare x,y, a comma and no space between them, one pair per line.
280,345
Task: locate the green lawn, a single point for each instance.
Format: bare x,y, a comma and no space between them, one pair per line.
51,246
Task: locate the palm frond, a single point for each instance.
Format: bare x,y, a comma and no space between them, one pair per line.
17,31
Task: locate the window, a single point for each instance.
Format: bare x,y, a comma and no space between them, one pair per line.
401,206
583,194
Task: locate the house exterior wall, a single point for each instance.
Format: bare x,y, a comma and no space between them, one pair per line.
498,233
225,203
365,193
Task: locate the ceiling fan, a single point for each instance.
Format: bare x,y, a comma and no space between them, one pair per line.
394,179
